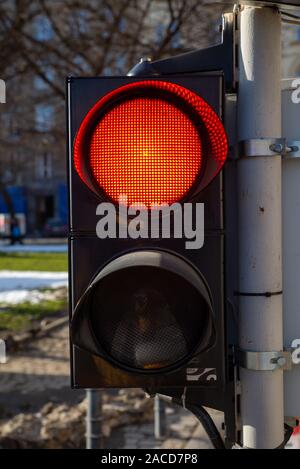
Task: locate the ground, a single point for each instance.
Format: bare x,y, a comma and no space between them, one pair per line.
39,374
38,408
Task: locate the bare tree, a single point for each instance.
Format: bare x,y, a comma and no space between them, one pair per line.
43,41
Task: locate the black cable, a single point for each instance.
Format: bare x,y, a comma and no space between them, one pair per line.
290,19
290,15
206,421
209,426
287,435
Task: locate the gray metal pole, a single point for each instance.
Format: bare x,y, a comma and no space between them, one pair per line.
94,438
159,418
260,225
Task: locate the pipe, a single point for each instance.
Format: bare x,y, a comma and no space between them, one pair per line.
260,225
159,418
93,420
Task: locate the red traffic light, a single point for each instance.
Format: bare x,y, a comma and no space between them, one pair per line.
154,142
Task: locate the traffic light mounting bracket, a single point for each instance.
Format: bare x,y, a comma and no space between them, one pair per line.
262,147
264,361
221,57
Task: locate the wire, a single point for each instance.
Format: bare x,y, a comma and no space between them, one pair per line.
208,425
204,418
290,19
290,15
287,435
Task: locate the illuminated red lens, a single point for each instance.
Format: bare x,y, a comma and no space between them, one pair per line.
146,149
145,146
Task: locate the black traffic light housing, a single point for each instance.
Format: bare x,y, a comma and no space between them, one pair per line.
88,254
100,356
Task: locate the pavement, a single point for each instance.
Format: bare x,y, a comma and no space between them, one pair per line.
40,373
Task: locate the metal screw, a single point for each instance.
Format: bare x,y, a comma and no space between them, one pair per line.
277,147
293,149
280,361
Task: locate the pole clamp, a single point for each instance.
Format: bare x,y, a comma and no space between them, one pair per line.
264,361
269,147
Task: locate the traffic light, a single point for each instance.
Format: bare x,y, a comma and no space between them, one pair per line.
147,301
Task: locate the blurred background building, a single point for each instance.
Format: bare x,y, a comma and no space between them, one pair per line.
42,42
291,51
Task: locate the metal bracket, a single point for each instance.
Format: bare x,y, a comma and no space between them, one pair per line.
257,147
264,361
212,59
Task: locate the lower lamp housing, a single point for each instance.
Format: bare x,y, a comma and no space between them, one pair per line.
145,312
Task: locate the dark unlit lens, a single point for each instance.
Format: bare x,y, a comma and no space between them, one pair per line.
154,319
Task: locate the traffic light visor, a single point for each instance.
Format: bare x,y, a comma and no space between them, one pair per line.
146,311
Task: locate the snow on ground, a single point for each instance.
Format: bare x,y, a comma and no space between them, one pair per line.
17,286
20,286
14,297
33,248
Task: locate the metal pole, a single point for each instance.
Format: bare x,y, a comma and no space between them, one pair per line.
259,200
93,420
159,418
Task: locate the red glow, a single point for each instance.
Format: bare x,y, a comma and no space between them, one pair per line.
146,147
